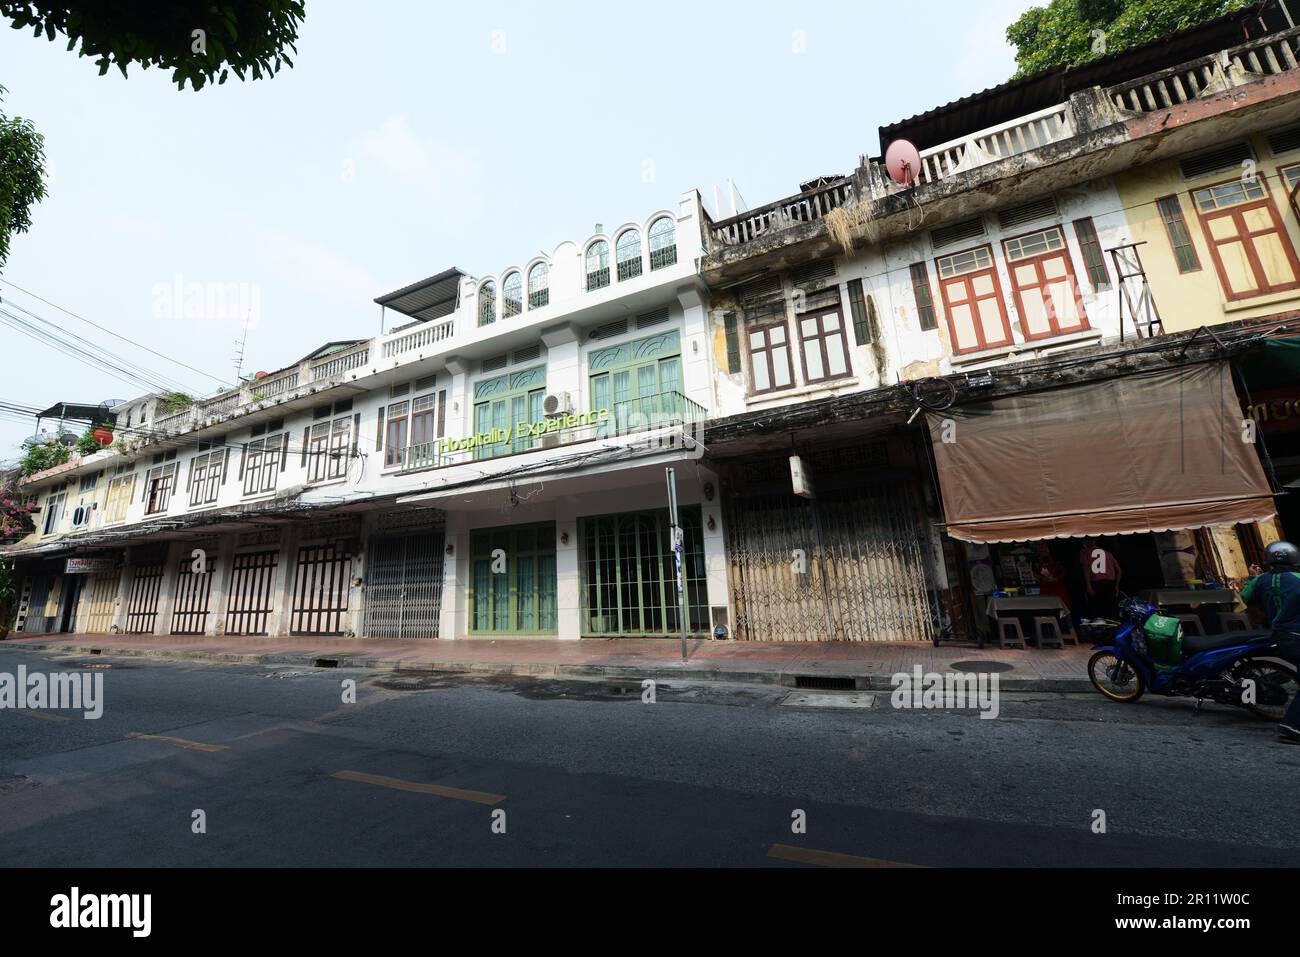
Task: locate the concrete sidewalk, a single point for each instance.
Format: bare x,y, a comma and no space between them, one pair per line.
869,664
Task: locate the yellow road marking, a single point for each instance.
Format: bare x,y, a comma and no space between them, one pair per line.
178,742
806,855
42,715
397,784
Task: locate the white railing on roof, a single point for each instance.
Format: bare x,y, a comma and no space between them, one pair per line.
1020,135
804,208
271,386
336,365
1266,56
222,404
426,335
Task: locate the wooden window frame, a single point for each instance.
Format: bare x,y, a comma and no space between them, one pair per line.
1236,211
967,277
765,326
262,464
401,424
1037,260
821,338
159,486
1169,222
920,274
205,474
858,309
327,449
1090,244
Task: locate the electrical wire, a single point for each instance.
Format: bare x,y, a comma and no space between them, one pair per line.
117,335
96,353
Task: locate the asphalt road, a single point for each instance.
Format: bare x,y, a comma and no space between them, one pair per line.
417,771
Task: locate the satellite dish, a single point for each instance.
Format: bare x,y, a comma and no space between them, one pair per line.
68,439
903,160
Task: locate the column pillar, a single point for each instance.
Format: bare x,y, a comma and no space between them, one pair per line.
220,567
277,624
162,623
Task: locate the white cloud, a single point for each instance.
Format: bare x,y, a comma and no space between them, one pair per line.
433,171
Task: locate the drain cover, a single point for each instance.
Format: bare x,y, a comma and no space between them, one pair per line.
812,699
978,666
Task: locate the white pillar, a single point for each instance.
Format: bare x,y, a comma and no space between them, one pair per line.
568,574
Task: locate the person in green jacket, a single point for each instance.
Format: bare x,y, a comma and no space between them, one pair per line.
1277,592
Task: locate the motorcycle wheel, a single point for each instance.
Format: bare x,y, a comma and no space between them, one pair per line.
1275,686
1116,679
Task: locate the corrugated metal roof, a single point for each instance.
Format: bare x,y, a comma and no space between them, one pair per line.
427,299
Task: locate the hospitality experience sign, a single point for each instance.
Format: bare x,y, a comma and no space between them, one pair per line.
522,430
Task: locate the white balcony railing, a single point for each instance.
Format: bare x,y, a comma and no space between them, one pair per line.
1266,56
336,365
804,208
1020,135
426,335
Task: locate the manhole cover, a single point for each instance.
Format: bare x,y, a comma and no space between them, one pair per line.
978,666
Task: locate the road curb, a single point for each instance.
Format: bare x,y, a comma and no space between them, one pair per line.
657,671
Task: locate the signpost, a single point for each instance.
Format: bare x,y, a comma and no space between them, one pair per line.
679,541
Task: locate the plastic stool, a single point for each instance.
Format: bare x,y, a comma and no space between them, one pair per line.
1233,621
1047,632
1010,633
1191,625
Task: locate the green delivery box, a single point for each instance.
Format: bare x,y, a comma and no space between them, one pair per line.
1164,639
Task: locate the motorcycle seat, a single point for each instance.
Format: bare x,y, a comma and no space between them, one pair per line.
1195,644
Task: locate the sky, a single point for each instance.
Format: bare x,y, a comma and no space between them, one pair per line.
411,137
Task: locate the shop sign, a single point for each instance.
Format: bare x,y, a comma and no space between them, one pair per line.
523,430
88,566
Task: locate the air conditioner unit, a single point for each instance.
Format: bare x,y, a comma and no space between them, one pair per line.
555,404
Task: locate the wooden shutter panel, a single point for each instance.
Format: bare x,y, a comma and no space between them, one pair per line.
225,465
733,343
306,437
442,412
284,451
356,434
379,432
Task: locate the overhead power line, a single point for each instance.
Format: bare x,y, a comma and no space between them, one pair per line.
117,335
89,353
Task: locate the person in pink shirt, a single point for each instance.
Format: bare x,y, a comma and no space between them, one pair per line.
1101,577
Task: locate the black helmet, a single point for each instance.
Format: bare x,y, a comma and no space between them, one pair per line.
1282,555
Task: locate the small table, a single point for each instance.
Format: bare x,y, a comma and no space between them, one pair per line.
1027,606
1190,596
1024,604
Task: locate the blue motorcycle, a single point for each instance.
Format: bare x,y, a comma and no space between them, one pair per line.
1149,652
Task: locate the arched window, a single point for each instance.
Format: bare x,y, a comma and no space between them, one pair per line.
487,303
597,265
539,293
627,251
663,243
512,295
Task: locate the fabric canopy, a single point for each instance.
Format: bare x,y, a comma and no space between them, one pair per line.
1138,453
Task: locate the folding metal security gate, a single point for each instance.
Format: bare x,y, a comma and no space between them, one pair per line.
99,603
190,607
847,565
142,606
251,601
321,588
404,586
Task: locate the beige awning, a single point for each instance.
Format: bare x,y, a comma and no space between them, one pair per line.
1139,453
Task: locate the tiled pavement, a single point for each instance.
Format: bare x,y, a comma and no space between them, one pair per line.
871,663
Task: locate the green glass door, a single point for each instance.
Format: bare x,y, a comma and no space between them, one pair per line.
639,382
512,580
629,574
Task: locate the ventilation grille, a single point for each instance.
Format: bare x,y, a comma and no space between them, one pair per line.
1216,160
1284,141
813,273
1014,216
652,318
527,354
496,362
427,382
759,290
957,232
402,388
609,330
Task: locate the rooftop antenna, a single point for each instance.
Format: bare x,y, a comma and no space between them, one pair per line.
240,343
